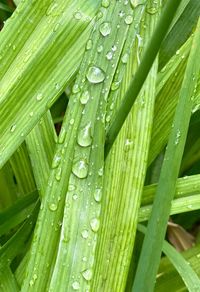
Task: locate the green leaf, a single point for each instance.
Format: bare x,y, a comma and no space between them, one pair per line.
41,47
151,250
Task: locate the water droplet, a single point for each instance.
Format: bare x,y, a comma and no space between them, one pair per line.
105,28
31,114
77,15
115,85
76,285
109,56
121,14
100,172
178,135
12,128
136,3
71,121
75,88
85,97
125,58
105,3
95,223
95,75
85,233
71,187
100,49
80,168
177,52
39,96
75,197
114,48
56,27
98,194
128,19
53,207
58,174
56,161
84,259
89,45
84,138
87,274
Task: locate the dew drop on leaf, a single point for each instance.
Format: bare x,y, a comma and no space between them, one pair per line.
76,285
84,97
95,75
85,233
105,3
95,223
128,19
87,274
84,138
80,168
105,28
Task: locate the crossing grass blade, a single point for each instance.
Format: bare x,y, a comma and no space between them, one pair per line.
152,246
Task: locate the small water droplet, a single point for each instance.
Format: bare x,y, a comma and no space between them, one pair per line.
80,168
178,135
84,97
128,19
39,96
109,56
105,3
87,274
12,128
58,174
76,285
95,75
71,187
125,58
31,114
114,48
89,45
100,49
95,223
77,15
121,14
53,207
98,194
71,121
84,259
100,172
75,197
56,161
85,233
105,28
115,85
75,88
84,138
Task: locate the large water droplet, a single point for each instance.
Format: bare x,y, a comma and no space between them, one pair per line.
76,285
95,75
84,97
87,274
105,28
84,138
95,223
80,168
